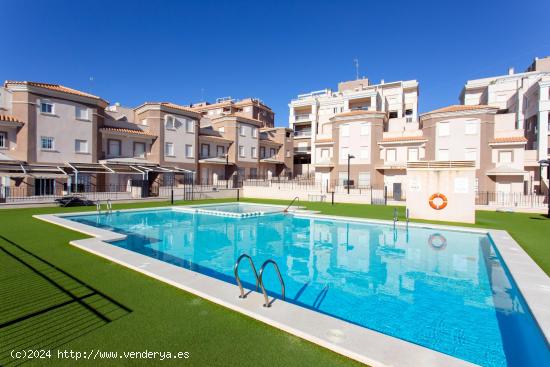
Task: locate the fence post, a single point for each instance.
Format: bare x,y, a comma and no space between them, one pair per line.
238,195
332,197
385,195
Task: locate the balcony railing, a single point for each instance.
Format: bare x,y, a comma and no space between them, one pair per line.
302,133
302,149
302,117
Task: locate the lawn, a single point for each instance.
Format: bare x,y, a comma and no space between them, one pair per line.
55,296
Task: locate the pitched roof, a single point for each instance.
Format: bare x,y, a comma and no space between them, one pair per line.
510,139
402,138
460,108
359,112
53,87
9,118
126,131
169,105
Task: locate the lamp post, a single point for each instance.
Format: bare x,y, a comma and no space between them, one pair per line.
349,158
226,169
545,163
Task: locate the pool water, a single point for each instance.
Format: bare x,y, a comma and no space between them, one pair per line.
445,290
237,209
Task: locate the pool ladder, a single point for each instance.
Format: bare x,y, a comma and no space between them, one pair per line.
259,278
108,205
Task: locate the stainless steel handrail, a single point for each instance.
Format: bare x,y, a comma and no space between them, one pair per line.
236,271
267,262
98,206
292,202
109,206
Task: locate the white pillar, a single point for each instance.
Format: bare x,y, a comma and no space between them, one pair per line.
314,120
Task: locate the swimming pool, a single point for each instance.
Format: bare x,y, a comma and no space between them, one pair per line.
446,290
238,210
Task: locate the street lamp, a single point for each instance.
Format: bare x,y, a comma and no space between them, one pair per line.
226,170
545,163
349,158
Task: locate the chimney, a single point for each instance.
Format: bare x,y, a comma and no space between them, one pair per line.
510,71
381,81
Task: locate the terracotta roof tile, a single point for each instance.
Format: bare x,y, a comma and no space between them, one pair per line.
460,108
9,118
402,138
126,131
54,87
170,105
510,139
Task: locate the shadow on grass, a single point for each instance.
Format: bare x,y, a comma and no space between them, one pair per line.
44,307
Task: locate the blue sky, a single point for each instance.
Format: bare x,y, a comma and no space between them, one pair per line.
136,51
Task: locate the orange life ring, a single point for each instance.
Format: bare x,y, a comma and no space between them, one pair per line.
441,242
438,206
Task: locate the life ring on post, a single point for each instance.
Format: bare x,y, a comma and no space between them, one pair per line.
438,206
437,241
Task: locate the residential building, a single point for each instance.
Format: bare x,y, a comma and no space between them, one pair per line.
368,121
523,103
55,139
248,107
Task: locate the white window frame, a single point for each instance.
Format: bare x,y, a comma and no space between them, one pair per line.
221,129
170,122
241,131
254,152
139,143
78,143
409,150
51,143
364,129
4,139
469,125
47,103
218,153
505,151
189,151
254,132
169,149
241,151
190,126
78,113
441,131
344,130
394,150
144,122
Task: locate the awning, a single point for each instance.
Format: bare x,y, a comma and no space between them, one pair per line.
215,160
505,171
22,169
271,160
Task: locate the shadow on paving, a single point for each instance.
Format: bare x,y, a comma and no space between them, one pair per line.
44,307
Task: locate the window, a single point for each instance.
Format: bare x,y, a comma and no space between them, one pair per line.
3,139
169,149
81,113
189,151
505,156
272,152
241,130
325,154
247,109
391,155
470,154
443,154
221,129
408,112
344,151
364,179
253,172
364,153
241,151
205,150
190,126
262,152
254,132
364,129
288,153
144,122
113,147
46,107
471,128
220,150
139,150
393,114
169,122
81,146
47,143
344,129
253,152
443,129
412,154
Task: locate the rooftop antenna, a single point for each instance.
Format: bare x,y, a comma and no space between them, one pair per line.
356,62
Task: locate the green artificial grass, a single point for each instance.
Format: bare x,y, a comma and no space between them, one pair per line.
63,298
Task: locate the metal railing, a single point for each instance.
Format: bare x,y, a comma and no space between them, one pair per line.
238,278
266,298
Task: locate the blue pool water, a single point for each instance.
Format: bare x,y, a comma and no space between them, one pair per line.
445,290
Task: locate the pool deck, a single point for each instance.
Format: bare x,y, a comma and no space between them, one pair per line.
356,342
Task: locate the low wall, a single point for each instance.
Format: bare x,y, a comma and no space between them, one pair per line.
303,195
219,194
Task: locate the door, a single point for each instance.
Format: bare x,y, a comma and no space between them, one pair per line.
397,191
214,178
44,186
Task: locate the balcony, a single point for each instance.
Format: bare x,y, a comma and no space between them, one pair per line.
302,150
302,134
303,117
